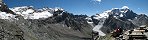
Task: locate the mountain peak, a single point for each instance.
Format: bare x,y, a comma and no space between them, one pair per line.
58,8
117,13
125,7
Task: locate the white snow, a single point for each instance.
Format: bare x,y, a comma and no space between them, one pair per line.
129,19
89,22
88,18
121,15
103,15
97,27
4,15
122,11
58,8
29,13
116,15
18,8
44,14
142,25
125,7
135,17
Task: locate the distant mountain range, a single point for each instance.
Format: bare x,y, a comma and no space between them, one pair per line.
27,23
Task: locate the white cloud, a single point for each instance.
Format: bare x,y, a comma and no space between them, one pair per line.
97,0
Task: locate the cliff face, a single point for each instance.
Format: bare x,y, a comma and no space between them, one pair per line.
4,8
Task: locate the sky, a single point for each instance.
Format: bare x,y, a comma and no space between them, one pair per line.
88,7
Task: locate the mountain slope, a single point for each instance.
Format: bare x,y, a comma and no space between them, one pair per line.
141,19
27,23
117,17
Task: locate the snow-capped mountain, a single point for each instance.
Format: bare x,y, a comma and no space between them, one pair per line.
28,23
28,12
117,13
57,24
116,17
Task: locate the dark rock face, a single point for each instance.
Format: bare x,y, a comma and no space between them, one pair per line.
95,21
141,19
130,14
4,8
112,23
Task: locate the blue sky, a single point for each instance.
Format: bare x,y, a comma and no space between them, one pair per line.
88,7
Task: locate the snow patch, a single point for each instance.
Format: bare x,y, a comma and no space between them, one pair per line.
102,15
125,7
58,8
29,13
97,27
121,15
44,14
142,25
4,15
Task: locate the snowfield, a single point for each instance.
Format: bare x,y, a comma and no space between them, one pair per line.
28,12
